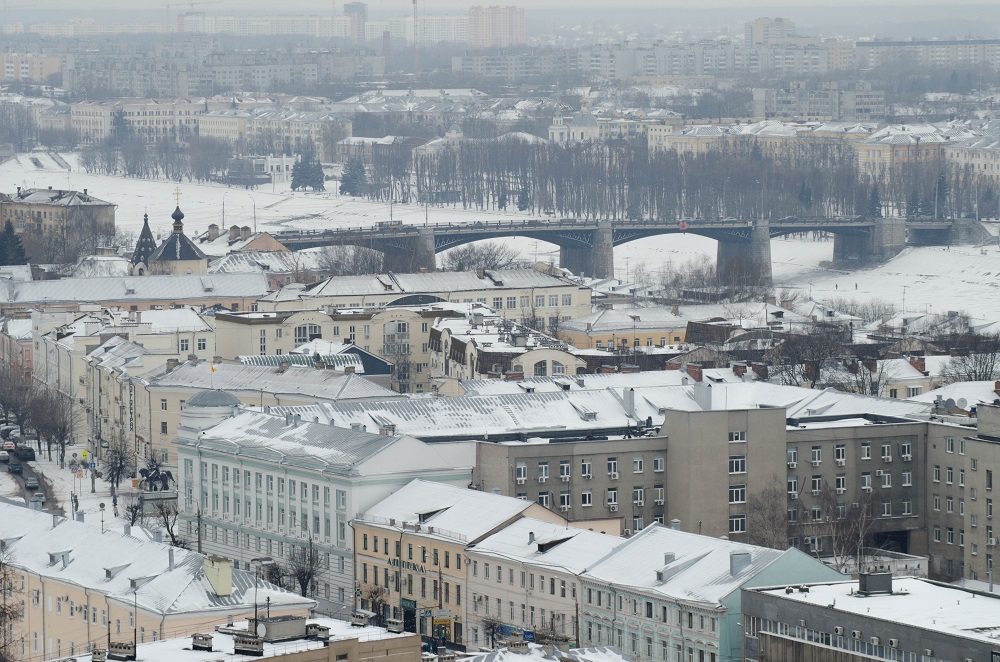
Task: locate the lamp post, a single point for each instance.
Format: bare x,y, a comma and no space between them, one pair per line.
260,562
254,211
101,506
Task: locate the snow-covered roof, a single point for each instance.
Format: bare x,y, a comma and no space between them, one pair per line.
108,562
914,601
58,198
974,394
453,512
698,572
549,545
625,319
140,288
536,653
19,329
329,385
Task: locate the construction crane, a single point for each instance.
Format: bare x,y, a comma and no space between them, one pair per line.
189,3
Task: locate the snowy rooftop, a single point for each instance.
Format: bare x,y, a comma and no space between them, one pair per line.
300,381
536,653
140,288
626,319
916,602
108,563
172,650
555,546
454,512
974,394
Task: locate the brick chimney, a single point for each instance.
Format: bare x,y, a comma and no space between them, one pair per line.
919,363
629,368
759,369
514,375
694,371
671,365
213,232
234,232
871,364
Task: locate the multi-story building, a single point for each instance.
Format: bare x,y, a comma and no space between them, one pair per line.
982,155
253,484
626,327
29,68
935,53
766,30
57,214
81,587
517,294
411,553
151,119
16,345
667,594
496,27
855,101
875,617
527,576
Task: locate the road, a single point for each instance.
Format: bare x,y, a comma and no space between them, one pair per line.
51,501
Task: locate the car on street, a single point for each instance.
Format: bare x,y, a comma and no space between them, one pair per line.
9,446
26,453
31,482
15,468
4,456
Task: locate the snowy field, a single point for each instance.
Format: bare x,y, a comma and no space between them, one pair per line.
935,279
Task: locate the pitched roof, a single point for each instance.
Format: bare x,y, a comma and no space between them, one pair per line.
146,245
548,544
178,246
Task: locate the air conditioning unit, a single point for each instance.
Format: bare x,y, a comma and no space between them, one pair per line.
879,472
614,475
542,479
838,630
792,465
565,478
856,634
521,481
867,488
887,459
815,492
659,502
894,643
564,508
815,463
640,502
907,457
628,532
929,652
991,542
793,495
875,641
841,463
613,507
588,476
841,490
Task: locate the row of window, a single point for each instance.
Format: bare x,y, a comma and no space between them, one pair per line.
840,453
259,480
639,493
884,477
586,468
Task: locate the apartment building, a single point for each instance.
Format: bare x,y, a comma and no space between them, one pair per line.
80,588
29,68
527,576
57,213
982,155
930,53
151,119
626,327
419,573
496,27
854,101
260,484
665,594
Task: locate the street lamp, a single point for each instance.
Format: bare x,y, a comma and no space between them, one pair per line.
260,561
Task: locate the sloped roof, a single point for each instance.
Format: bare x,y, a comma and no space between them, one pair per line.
33,539
212,398
58,198
145,288
458,512
178,246
556,546
146,244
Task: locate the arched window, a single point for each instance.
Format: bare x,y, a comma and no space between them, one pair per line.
541,369
558,368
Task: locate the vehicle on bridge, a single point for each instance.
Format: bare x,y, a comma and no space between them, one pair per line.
389,225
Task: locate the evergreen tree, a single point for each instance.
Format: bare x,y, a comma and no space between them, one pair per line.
354,180
11,249
874,203
523,198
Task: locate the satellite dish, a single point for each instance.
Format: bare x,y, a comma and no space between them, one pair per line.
949,403
261,630
962,403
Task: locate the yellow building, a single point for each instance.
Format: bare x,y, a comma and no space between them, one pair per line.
57,213
410,553
626,327
80,588
26,68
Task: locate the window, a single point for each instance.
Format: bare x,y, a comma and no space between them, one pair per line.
886,479
866,450
738,436
564,469
163,427
587,498
817,455
613,466
961,446
792,455
553,300
793,515
612,496
887,509
737,464
816,512
543,499
163,404
887,452
841,483
949,445
185,345
586,468
565,499
840,453
949,504
540,301
949,476
937,474
907,506
793,485
543,472
816,484
202,344
937,502
638,495
637,465
521,471
737,494
866,480
737,523
907,477
657,463
906,450
961,477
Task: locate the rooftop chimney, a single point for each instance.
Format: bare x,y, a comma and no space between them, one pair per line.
738,562
694,371
675,524
283,366
219,573
170,557
919,363
630,402
531,537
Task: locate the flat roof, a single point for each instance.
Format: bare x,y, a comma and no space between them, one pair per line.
915,602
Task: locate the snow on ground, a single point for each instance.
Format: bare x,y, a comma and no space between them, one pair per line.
936,279
9,487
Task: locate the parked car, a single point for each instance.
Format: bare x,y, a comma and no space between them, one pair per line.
15,468
9,446
31,483
40,495
26,453
4,456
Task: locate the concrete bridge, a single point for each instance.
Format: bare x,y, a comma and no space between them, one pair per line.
586,246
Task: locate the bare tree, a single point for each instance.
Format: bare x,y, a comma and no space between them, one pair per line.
801,360
867,376
376,597
119,463
482,255
767,516
131,508
304,567
350,261
491,628
16,395
165,515
55,417
846,529
10,606
976,358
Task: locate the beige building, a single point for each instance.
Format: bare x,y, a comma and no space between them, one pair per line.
28,68
626,327
411,553
56,213
80,588
151,119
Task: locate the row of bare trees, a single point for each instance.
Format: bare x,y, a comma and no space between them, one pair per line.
46,411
